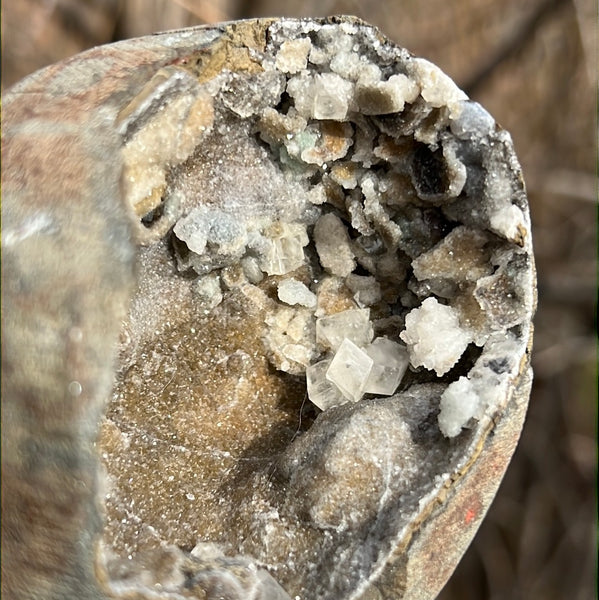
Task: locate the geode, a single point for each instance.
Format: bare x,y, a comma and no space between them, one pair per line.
267,301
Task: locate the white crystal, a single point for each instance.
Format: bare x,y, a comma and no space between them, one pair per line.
318,56
434,337
301,326
323,96
207,291
390,364
293,55
353,324
508,221
317,194
221,231
437,88
291,291
290,338
349,370
346,64
333,245
321,391
251,269
333,41
192,231
283,248
383,97
297,353
459,403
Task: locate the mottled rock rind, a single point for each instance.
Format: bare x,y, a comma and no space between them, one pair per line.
243,167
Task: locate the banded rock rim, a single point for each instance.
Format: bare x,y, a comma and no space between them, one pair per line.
331,313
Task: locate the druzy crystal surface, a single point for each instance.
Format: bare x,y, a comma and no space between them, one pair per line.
335,291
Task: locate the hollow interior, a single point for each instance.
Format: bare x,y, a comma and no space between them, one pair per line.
328,200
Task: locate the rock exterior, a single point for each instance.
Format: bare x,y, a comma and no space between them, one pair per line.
267,300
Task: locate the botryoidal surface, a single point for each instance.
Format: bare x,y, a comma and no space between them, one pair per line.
334,300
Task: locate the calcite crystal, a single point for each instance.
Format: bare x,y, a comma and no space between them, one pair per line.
332,311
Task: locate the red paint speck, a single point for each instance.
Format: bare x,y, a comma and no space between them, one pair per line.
470,514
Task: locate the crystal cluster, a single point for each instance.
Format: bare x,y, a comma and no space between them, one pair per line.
358,366
332,312
388,246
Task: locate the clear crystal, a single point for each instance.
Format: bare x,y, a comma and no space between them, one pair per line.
353,324
283,249
390,364
321,391
349,370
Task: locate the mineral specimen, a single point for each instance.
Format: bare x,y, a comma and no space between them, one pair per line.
434,336
390,362
350,369
334,292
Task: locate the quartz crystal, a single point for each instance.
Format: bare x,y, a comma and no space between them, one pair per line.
349,370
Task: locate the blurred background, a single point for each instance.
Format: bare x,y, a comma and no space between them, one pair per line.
534,66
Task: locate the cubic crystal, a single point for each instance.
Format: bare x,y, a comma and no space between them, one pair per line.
390,364
323,96
353,324
321,391
283,248
384,97
349,370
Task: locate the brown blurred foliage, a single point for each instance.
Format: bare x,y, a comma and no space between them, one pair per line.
533,65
